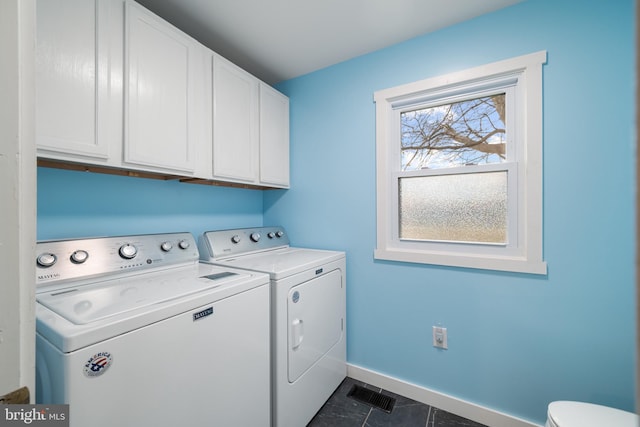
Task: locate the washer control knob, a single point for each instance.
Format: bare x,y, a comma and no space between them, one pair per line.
183,244
46,259
279,233
166,246
80,256
128,251
271,234
255,237
236,239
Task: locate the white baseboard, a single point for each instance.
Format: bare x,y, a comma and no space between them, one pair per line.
442,401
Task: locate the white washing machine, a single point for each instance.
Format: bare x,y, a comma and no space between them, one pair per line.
308,312
134,331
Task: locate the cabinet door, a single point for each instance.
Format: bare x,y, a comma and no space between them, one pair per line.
274,137
161,69
78,79
235,122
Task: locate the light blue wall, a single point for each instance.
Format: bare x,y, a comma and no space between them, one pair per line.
78,204
516,342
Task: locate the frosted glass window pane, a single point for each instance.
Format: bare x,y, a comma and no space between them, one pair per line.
470,132
461,207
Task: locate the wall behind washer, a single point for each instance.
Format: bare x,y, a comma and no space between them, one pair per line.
74,204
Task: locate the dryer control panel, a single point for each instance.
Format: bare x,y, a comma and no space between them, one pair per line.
240,241
64,260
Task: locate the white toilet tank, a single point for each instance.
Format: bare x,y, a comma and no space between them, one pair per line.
580,414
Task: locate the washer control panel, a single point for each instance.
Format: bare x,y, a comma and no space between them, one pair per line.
223,243
61,260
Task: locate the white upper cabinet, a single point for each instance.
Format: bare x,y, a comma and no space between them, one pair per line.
165,74
274,137
79,80
235,123
118,86
250,128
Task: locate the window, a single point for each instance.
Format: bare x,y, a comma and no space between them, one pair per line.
459,168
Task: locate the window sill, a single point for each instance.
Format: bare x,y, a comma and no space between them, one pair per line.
484,262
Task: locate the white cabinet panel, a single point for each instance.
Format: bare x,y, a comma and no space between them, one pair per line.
235,122
163,70
79,80
274,137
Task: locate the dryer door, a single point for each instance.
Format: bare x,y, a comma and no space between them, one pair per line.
315,310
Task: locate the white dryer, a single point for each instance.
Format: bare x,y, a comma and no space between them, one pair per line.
135,331
308,312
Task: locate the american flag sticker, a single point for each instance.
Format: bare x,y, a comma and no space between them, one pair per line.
98,364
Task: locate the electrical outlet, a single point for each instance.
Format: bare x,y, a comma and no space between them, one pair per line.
440,337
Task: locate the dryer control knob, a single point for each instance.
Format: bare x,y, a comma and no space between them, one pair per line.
255,237
271,234
236,239
46,260
166,246
279,233
128,251
78,257
183,244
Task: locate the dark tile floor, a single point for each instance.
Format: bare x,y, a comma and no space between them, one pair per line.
343,411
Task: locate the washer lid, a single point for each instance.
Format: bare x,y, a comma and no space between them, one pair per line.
85,304
119,310
580,414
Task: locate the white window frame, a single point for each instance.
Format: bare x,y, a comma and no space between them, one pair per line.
521,78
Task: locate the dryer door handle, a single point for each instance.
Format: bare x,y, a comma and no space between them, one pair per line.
297,333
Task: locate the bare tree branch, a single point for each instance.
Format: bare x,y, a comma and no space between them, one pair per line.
463,132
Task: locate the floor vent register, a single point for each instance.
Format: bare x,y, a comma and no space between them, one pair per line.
372,398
